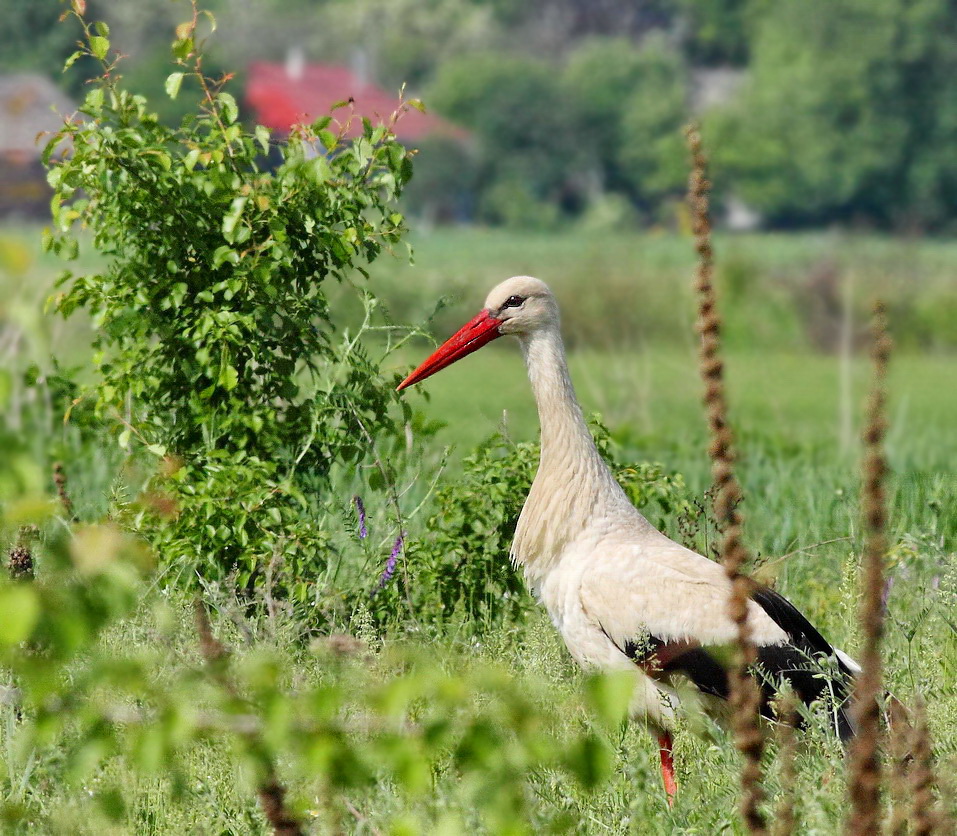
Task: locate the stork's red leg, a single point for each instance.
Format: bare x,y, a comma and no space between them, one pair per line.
667,767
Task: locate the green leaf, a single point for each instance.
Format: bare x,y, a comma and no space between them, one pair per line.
609,695
111,802
94,101
262,134
225,253
590,760
182,48
21,609
328,139
228,378
173,82
163,159
102,28
72,59
99,46
232,216
229,107
319,167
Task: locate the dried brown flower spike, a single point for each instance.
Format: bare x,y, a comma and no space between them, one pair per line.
786,710
865,765
59,479
899,743
925,818
745,694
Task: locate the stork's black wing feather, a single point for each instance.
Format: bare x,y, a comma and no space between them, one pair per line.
656,656
801,633
797,662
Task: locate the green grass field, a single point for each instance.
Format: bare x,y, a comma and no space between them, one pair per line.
629,314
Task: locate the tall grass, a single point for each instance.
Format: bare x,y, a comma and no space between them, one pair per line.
806,492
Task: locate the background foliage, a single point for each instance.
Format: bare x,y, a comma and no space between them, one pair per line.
838,111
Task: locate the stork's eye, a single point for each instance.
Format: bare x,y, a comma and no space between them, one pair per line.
514,302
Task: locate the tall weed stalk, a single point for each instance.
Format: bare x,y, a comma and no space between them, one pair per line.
745,694
865,763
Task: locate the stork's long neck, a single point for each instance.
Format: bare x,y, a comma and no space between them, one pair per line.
566,440
573,487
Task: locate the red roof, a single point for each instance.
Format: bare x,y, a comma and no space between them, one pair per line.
278,100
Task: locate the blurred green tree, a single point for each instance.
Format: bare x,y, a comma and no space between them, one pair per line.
445,179
718,32
532,147
600,76
633,102
849,115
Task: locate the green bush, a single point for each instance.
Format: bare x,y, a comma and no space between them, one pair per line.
217,350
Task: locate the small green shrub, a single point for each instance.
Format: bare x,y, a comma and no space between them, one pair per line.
217,349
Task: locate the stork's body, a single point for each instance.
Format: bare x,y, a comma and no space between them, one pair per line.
622,594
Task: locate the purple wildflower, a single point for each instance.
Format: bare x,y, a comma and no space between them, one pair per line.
389,570
361,513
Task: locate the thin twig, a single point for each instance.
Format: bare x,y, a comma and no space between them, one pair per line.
361,818
865,765
745,694
804,550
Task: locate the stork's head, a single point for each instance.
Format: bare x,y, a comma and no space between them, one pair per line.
520,305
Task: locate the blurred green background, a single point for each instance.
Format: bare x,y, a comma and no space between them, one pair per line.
817,112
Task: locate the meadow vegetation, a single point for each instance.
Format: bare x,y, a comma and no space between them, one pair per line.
364,658
799,476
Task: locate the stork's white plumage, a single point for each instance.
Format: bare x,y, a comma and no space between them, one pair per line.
623,595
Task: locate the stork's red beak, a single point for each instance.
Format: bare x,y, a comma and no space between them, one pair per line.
470,337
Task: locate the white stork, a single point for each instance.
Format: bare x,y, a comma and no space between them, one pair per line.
623,595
